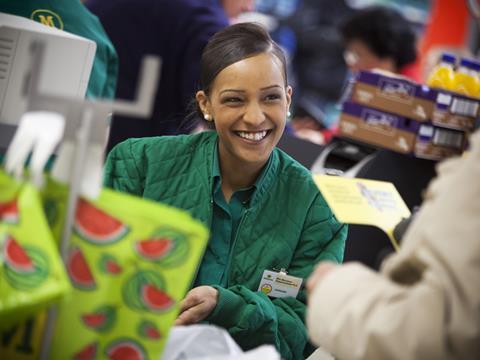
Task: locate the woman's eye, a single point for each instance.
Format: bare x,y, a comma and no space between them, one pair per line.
231,100
272,97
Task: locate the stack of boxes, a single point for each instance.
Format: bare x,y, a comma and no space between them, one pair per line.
398,114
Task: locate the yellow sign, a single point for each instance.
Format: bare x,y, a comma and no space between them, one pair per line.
364,202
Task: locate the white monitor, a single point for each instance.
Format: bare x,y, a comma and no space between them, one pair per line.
67,64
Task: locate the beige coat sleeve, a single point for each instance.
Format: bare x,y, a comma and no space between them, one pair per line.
425,303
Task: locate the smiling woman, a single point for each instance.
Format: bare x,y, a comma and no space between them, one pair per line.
248,102
262,207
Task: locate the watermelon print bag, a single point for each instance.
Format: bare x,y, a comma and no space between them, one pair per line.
32,275
130,262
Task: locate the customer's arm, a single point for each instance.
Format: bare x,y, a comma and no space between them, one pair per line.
425,304
358,314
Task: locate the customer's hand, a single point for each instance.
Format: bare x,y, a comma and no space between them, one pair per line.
197,305
318,274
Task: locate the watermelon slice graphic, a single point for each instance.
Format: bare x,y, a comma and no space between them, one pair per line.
155,299
125,349
25,268
16,257
79,271
154,249
102,319
89,352
166,247
9,212
108,264
143,291
148,329
96,226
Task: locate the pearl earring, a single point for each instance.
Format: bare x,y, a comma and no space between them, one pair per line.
289,114
207,117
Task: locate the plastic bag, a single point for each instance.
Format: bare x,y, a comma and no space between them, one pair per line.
130,262
187,342
209,342
32,275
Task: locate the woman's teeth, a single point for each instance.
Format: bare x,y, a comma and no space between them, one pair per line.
255,136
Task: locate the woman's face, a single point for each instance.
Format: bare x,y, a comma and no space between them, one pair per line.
249,104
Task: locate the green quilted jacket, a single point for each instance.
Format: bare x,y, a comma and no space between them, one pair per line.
288,225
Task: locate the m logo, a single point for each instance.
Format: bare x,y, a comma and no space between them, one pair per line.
47,17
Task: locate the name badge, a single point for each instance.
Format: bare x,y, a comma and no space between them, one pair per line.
279,284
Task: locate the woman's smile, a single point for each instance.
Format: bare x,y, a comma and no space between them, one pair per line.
253,137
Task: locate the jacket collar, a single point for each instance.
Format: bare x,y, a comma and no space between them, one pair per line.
263,182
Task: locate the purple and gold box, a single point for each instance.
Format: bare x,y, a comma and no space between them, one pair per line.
399,95
419,138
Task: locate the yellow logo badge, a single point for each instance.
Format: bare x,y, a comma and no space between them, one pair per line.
266,288
47,17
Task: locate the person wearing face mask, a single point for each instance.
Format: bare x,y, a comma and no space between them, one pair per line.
263,209
176,31
381,38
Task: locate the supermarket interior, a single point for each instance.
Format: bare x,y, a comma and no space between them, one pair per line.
282,179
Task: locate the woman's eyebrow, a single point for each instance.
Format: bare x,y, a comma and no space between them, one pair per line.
234,90
242,91
272,86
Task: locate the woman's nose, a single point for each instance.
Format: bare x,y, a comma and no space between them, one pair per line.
254,114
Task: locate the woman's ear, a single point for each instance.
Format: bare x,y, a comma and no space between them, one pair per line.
203,102
289,93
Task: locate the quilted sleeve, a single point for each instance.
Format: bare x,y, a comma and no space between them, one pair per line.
122,169
252,318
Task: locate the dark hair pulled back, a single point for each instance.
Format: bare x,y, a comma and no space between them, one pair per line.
232,44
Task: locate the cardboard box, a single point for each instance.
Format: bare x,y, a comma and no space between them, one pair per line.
421,139
404,97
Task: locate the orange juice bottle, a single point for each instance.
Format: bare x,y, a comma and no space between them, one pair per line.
466,79
443,74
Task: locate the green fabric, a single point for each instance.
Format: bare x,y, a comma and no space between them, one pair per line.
72,16
226,226
226,219
287,225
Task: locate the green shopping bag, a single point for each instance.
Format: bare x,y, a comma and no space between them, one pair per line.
130,262
32,275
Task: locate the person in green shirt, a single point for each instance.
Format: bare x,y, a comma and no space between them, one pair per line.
263,208
72,16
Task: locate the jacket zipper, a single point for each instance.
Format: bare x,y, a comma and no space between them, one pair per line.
233,246
210,215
